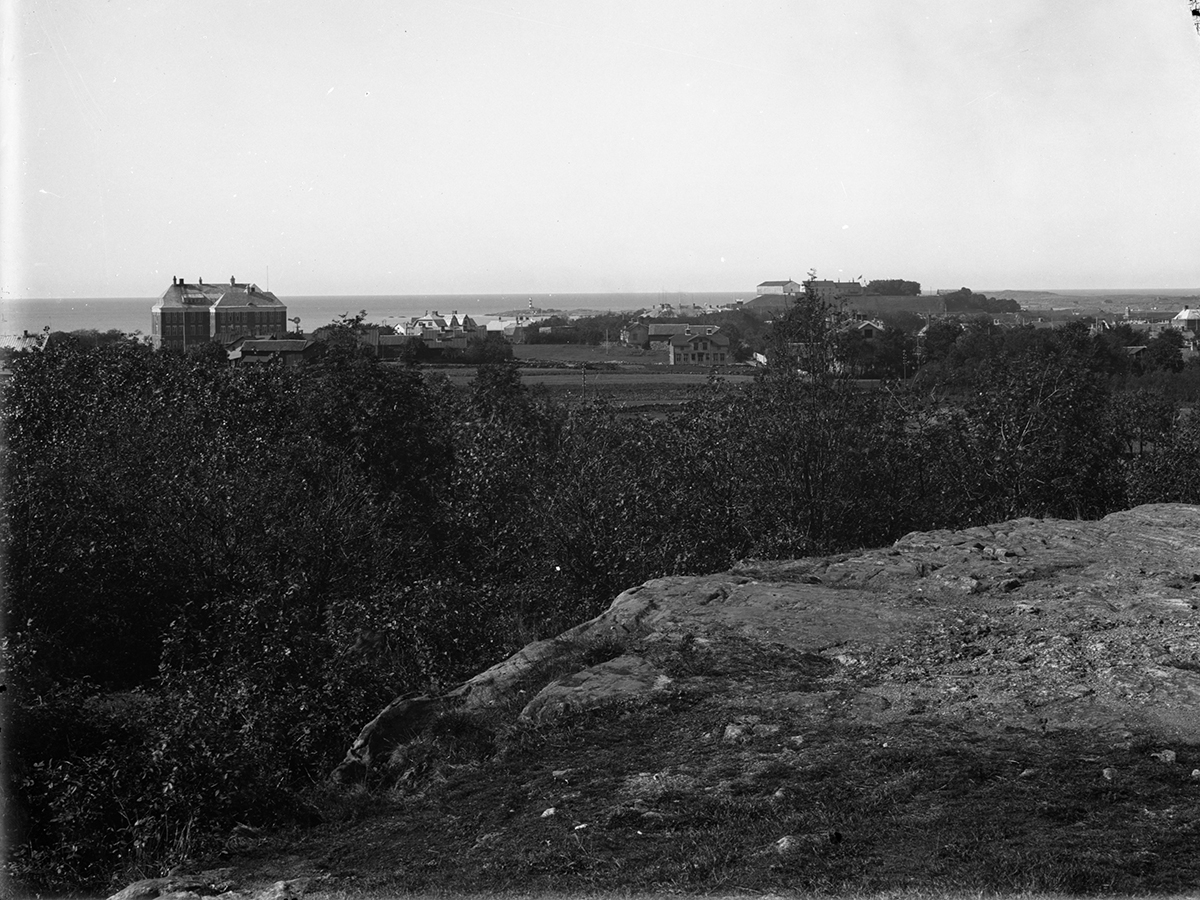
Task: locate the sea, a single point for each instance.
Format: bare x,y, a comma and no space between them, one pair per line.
132,314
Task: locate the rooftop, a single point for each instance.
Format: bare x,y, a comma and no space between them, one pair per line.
234,294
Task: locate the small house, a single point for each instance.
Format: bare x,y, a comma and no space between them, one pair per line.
704,346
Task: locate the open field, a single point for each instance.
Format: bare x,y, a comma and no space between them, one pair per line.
615,352
625,376
626,387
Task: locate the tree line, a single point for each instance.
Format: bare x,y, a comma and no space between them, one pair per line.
194,553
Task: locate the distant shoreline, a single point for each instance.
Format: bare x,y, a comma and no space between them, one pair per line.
132,314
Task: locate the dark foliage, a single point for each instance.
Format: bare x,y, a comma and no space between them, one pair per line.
894,287
966,300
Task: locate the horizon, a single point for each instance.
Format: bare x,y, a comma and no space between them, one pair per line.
684,292
529,147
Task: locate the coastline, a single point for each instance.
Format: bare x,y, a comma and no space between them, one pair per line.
132,314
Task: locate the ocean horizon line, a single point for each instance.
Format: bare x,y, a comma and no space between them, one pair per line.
500,295
663,293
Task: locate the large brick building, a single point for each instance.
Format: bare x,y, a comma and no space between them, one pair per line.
187,315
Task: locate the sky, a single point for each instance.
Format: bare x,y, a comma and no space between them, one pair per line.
436,146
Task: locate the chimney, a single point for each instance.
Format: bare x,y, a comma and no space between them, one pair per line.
232,282
200,281
174,280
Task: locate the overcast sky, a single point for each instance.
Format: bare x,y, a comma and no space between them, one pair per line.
436,146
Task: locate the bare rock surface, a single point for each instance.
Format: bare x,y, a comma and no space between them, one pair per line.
218,884
624,676
1028,624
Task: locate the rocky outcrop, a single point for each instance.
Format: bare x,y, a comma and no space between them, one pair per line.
217,884
1029,624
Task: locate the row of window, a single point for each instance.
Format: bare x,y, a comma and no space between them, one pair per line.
171,324
252,316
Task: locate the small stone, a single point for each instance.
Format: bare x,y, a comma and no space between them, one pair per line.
1027,773
1196,773
549,812
735,732
283,890
486,840
1164,756
1109,773
1010,584
779,795
785,844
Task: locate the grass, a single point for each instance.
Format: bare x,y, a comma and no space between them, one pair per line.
908,894
586,353
649,798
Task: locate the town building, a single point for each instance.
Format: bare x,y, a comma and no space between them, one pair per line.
643,332
434,325
786,287
450,332
285,352
1187,320
699,346
188,315
869,329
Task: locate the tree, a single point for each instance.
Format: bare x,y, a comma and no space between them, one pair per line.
939,340
1164,352
895,287
1033,430
895,353
487,349
497,391
966,300
802,339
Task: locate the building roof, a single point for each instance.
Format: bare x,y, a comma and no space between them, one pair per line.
1186,315
246,298
666,329
206,296
716,337
869,323
276,345
432,319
